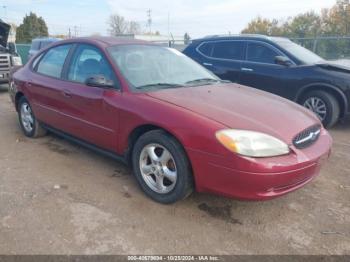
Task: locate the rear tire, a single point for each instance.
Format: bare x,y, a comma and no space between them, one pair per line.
28,122
324,105
157,156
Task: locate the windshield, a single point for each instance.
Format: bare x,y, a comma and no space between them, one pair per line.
301,53
155,67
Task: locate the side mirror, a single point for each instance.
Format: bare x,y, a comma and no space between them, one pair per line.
12,48
99,81
282,60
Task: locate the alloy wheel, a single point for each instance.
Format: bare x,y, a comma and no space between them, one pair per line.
158,168
318,106
27,117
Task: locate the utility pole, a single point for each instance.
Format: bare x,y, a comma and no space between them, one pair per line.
149,20
69,33
168,26
75,31
5,11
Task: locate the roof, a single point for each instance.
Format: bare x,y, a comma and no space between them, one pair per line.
51,39
108,41
241,36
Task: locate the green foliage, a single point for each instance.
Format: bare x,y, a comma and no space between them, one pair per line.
333,21
264,26
31,27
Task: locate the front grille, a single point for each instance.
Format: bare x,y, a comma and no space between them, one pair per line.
5,62
307,137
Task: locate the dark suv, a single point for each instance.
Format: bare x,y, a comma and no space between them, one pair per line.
279,66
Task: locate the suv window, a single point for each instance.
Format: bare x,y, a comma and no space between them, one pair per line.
35,45
45,44
261,53
88,61
52,62
206,49
229,50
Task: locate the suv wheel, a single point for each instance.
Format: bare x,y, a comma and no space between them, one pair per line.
30,126
161,167
324,105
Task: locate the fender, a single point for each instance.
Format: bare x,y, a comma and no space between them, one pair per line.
336,89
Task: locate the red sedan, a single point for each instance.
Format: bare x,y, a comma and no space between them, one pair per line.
178,126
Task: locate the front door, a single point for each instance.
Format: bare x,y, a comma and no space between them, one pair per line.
89,113
259,70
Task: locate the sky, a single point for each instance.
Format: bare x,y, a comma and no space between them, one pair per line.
197,17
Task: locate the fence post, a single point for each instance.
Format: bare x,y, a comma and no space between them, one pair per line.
314,48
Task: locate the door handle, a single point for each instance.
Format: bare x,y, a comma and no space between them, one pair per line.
247,69
67,94
207,64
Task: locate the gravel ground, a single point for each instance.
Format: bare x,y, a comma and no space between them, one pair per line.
58,198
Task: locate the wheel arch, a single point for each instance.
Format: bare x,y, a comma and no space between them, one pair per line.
18,96
335,91
138,131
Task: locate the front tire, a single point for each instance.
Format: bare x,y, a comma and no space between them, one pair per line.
324,105
29,124
161,167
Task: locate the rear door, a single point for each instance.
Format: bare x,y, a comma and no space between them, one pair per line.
259,70
45,85
89,113
223,58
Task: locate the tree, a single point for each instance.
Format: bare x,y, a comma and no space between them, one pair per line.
337,19
119,26
304,25
332,22
310,25
263,26
31,27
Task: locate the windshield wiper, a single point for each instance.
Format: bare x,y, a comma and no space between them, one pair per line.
166,85
207,81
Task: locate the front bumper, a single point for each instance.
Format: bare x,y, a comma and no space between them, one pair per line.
259,179
4,76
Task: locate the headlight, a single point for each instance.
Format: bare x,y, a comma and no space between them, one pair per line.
252,144
16,61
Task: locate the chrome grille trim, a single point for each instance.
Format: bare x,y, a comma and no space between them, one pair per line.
307,137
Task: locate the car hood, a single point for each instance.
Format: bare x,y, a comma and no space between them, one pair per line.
4,33
241,107
339,66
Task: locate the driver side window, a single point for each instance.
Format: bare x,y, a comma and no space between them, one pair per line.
89,61
261,54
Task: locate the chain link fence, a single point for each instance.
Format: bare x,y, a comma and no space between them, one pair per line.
329,48
23,50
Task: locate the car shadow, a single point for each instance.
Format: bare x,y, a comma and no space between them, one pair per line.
343,124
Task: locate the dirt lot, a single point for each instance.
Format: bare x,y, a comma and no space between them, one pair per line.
58,198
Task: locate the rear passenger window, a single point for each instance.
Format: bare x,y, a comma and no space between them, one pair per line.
206,49
229,50
260,53
52,62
